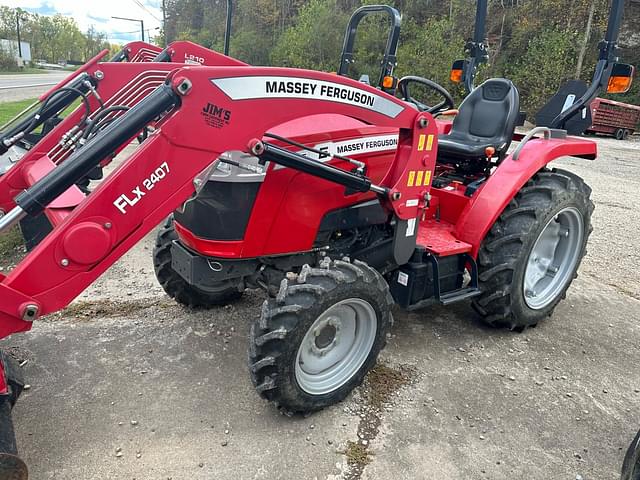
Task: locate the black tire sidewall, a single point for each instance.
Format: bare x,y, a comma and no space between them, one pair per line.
341,292
526,314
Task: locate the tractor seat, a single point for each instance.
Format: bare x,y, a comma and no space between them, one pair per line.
486,118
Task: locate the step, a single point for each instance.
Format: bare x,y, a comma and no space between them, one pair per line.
459,295
437,237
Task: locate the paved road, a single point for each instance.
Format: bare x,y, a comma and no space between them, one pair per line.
554,402
20,87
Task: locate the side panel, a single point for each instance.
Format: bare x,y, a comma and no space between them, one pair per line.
483,210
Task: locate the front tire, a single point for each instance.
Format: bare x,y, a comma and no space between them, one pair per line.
532,253
318,338
176,287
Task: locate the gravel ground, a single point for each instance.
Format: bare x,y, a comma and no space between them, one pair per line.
126,384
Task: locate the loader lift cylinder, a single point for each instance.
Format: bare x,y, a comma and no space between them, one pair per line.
35,199
356,183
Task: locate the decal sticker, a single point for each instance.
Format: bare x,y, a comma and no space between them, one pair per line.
411,227
215,116
191,59
403,278
419,178
245,88
413,203
412,178
429,143
354,146
424,139
124,200
421,140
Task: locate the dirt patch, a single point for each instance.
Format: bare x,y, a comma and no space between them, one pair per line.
11,248
110,308
357,454
381,384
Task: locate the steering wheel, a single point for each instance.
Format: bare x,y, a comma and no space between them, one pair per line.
446,104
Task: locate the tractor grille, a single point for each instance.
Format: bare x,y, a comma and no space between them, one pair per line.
221,210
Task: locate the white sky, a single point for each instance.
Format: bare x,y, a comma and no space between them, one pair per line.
99,12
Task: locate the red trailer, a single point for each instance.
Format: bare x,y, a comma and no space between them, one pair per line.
614,118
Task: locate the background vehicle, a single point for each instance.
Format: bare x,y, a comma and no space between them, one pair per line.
614,118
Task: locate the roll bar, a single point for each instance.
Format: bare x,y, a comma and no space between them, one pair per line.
606,61
390,54
477,49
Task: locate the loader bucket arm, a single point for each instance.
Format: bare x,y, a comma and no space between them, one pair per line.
121,84
136,52
191,53
159,176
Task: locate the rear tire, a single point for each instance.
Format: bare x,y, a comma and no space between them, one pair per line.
506,254
287,363
176,287
619,134
626,134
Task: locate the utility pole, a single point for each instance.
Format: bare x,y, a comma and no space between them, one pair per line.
18,32
164,22
134,20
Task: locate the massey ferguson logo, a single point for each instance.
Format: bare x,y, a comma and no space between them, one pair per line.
215,116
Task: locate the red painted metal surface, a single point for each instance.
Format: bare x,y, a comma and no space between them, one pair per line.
438,237
186,52
495,194
84,68
43,279
141,51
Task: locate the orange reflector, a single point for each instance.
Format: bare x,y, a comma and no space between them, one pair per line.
489,152
456,76
619,84
388,82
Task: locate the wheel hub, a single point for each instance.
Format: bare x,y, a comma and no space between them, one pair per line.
326,335
335,346
553,258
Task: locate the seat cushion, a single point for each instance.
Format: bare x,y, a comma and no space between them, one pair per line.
486,118
452,147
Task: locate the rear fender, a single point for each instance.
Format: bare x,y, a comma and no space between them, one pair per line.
485,207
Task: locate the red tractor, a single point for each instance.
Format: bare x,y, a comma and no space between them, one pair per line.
336,197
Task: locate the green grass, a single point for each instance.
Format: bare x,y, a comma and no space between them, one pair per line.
8,110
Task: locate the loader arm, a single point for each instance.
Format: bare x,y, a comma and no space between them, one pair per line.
215,109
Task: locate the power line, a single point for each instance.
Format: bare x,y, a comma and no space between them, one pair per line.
142,6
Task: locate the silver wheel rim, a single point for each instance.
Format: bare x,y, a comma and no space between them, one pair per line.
553,258
336,346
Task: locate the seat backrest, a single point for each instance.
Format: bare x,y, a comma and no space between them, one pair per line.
488,115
